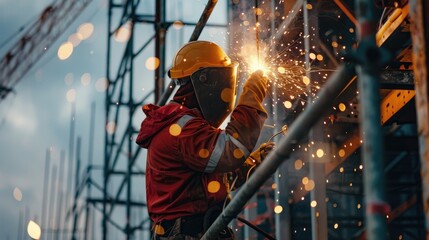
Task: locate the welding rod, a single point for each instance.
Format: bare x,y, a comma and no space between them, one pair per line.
257,29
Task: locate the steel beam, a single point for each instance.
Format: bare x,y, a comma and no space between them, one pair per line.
397,79
420,38
346,11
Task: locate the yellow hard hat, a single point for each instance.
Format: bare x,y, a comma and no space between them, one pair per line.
195,55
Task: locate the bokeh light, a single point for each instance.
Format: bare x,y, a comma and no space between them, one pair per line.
159,230
287,104
17,194
238,153
65,50
204,153
85,79
278,209
281,70
85,30
68,79
110,127
75,39
298,164
310,185
306,80
342,107
178,25
71,95
152,63
213,187
341,153
101,85
123,33
227,95
175,129
320,153
304,180
33,230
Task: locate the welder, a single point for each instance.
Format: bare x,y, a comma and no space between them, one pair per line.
193,164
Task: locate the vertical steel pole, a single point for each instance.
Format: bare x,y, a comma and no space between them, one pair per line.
420,38
88,172
45,190
368,69
70,159
129,232
160,48
282,219
60,194
52,202
76,190
319,223
107,112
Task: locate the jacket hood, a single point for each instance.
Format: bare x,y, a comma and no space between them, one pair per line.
157,118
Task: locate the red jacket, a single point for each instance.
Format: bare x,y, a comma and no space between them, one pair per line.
187,158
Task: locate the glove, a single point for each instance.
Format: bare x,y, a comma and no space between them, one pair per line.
256,157
254,91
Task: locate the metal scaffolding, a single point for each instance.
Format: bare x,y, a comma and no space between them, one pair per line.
391,34
372,180
345,204
120,208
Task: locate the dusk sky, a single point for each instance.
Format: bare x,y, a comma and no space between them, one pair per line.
37,115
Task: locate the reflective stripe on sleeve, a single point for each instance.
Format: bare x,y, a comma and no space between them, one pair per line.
183,120
219,148
217,152
240,145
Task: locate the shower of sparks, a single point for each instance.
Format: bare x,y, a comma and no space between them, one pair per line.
282,63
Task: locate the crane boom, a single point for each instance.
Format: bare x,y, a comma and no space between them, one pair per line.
37,39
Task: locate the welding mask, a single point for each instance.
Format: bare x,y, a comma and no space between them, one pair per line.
213,76
215,89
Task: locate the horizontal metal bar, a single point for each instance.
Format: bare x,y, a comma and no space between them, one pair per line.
397,79
116,202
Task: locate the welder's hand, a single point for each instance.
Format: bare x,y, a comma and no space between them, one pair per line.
254,91
257,156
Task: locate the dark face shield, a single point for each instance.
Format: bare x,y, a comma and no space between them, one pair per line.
215,89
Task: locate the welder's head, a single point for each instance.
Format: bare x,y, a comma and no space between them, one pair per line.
205,72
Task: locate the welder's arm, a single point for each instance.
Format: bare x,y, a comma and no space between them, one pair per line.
223,151
254,91
245,125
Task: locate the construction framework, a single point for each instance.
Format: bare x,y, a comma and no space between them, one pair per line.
345,205
341,170
379,192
